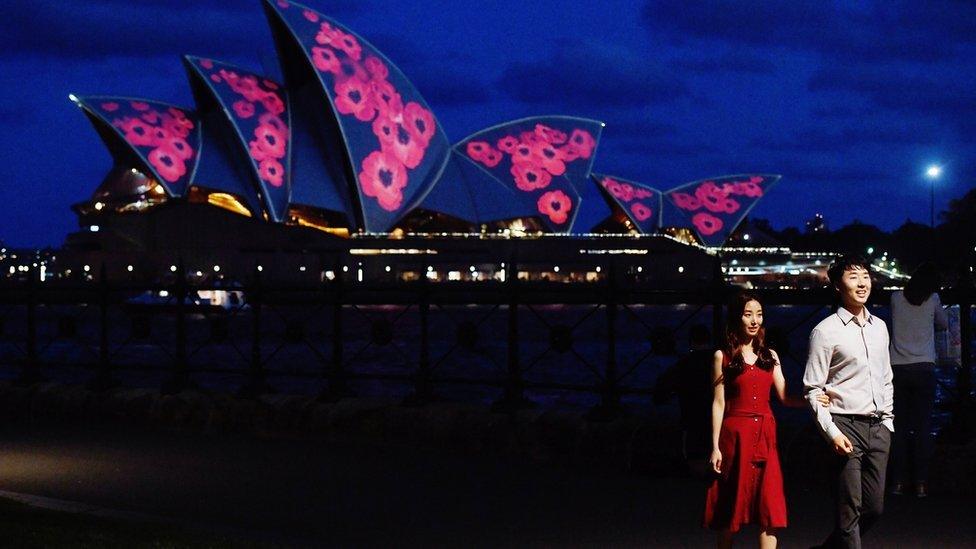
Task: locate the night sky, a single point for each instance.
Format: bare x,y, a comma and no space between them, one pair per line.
850,103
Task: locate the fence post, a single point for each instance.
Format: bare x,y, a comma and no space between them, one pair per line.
31,372
718,303
103,376
514,396
256,383
336,386
609,407
180,378
422,392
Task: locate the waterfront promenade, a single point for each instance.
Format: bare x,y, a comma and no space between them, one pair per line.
302,492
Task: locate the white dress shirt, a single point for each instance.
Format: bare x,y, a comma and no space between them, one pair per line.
912,334
850,363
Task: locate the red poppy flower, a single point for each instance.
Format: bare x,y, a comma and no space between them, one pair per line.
706,223
215,78
642,193
619,190
524,154
568,152
272,103
139,105
270,141
581,143
271,85
421,123
327,35
310,15
174,126
685,201
729,205
748,188
396,140
481,151
181,117
349,68
385,98
178,146
111,106
243,108
477,149
206,63
549,157
325,60
167,163
137,132
283,4
508,144
256,152
228,75
275,122
556,205
530,177
550,135
248,87
353,98
348,43
376,68
383,177
640,211
151,117
159,135
711,196
272,171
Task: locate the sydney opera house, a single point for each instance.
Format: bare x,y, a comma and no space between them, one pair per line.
342,167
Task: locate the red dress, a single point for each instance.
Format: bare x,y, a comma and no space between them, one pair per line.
750,487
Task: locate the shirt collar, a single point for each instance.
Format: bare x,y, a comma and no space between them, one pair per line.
846,316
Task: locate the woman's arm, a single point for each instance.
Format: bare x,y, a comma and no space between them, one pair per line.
718,410
779,383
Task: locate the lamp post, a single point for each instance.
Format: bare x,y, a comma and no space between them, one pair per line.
932,172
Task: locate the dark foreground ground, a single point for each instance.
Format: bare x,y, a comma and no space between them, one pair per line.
308,493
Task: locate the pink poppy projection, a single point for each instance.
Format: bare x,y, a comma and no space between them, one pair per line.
717,205
640,203
395,145
165,138
256,107
549,158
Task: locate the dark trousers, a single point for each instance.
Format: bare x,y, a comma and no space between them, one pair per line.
860,480
913,443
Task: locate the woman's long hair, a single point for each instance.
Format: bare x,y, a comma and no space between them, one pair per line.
735,337
924,282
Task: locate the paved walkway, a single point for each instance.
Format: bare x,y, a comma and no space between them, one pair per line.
312,493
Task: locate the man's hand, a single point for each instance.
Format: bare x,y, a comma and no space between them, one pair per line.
716,460
824,400
842,445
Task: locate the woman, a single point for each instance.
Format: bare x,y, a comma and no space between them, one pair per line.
914,312
749,484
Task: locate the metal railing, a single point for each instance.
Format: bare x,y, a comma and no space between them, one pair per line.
514,337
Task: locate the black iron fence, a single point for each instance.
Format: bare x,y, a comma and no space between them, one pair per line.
508,342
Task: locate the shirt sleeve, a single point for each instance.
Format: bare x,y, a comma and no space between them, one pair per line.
815,379
887,412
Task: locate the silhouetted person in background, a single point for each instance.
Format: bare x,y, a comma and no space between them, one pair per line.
690,379
914,313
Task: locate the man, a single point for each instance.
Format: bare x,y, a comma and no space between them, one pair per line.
849,361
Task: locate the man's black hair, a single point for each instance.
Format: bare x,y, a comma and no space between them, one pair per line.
844,263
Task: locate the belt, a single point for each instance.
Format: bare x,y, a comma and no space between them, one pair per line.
861,418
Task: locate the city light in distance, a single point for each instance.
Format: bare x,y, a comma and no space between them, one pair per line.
172,268
128,268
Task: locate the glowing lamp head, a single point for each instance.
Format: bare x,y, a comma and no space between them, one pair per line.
933,171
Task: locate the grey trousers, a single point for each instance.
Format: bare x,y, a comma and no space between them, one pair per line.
860,480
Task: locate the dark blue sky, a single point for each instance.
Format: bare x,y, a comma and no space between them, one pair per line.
848,100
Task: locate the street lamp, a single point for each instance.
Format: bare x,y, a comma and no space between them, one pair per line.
932,172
